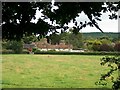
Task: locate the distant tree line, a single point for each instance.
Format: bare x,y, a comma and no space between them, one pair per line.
100,43
78,41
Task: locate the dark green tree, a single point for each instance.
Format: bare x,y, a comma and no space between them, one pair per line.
65,36
15,46
76,40
28,39
54,38
17,16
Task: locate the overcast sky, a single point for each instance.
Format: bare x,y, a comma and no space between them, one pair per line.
106,24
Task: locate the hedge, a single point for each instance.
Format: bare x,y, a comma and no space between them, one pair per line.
77,53
12,52
63,53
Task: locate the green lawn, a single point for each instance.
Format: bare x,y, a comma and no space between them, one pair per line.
51,71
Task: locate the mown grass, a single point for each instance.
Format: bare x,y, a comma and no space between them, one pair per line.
51,71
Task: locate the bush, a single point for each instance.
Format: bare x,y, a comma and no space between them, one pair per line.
96,45
34,49
117,47
106,47
4,51
16,46
76,53
51,51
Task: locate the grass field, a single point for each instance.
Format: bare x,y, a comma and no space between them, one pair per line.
51,71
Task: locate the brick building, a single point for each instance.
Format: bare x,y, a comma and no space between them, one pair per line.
42,44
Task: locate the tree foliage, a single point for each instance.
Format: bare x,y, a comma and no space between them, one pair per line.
106,47
17,16
28,39
69,38
117,46
96,45
54,38
75,40
114,63
100,44
16,46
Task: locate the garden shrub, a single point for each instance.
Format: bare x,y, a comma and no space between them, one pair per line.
106,47
34,49
96,47
16,46
4,51
76,53
117,47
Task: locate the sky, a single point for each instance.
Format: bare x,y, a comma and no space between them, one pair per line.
106,24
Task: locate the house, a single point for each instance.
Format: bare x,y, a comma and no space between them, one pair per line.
26,46
44,46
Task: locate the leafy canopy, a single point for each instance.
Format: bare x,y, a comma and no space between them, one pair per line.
17,16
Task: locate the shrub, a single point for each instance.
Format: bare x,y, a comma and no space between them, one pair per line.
16,46
76,53
34,49
4,51
106,47
51,51
96,45
117,47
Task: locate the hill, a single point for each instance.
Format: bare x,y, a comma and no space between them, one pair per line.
99,34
